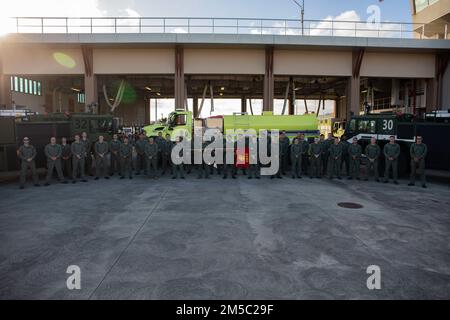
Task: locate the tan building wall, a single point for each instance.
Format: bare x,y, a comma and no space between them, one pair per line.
134,61
224,61
398,65
314,63
40,60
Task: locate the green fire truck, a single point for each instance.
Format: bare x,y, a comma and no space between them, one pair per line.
181,122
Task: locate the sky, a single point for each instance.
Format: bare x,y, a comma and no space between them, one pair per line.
344,10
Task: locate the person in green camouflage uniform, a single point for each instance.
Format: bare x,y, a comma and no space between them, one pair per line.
88,155
315,153
285,144
101,149
391,153
254,170
203,168
126,157
151,154
335,159
140,150
66,158
114,147
296,159
53,152
305,153
354,153
345,158
165,153
372,153
418,152
325,151
78,155
177,168
27,154
228,168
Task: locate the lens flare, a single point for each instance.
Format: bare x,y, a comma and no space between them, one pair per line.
64,60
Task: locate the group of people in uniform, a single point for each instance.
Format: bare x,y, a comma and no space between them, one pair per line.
323,157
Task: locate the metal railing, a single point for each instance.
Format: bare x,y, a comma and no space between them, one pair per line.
115,25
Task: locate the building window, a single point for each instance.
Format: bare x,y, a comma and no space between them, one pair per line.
422,4
81,97
27,86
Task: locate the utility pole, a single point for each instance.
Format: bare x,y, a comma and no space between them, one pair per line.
302,13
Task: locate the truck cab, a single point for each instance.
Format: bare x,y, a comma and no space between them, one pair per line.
178,123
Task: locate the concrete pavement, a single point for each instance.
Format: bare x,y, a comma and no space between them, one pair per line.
224,239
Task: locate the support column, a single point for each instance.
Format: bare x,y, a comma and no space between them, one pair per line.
195,107
442,61
5,89
354,85
243,104
268,81
90,79
179,78
291,109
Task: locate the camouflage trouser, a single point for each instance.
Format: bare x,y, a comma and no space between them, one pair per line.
177,168
296,166
372,166
203,170
115,164
254,171
284,163
152,166
165,161
66,166
101,166
229,169
421,170
125,166
346,162
23,172
355,167
316,166
391,164
140,163
324,160
51,165
334,167
77,164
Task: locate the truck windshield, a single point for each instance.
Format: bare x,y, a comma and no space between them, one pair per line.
177,120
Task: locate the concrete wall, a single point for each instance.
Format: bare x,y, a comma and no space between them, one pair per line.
224,61
398,65
134,61
314,63
20,60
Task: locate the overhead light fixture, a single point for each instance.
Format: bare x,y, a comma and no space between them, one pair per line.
158,93
75,89
221,94
148,88
222,88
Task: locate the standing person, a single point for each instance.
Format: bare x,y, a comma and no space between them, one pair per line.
240,153
277,159
114,147
315,152
126,156
140,145
335,159
285,145
305,148
27,154
418,152
254,169
326,144
88,154
151,153
159,140
78,155
354,152
165,153
372,152
101,161
228,168
391,153
296,159
345,160
66,156
53,152
177,168
203,168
